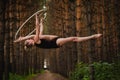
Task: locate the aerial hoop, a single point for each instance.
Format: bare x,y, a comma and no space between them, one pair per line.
42,12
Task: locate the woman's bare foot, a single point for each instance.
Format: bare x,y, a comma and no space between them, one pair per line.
97,35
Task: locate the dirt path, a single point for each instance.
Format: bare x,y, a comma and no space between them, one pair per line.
47,75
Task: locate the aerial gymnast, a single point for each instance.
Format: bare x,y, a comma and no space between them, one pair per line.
49,41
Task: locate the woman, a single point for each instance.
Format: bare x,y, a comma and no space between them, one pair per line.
50,41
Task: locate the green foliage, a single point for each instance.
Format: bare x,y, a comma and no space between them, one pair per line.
42,71
19,77
16,77
81,72
103,71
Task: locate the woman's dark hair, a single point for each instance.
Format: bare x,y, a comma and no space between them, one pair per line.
27,45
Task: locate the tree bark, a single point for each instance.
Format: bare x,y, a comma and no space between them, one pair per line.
2,31
7,43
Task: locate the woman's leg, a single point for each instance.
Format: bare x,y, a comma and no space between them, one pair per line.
48,37
62,41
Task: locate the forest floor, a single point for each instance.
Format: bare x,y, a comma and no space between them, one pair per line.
47,75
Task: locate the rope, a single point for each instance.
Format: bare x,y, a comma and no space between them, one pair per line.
43,10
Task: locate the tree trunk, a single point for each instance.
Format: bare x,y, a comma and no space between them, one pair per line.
7,43
89,7
2,31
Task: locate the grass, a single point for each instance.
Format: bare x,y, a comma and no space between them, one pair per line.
22,77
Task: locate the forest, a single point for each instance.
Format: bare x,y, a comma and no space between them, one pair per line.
95,59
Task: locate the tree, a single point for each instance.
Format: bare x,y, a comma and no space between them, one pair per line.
2,31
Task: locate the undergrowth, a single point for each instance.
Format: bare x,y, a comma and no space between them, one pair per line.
22,77
103,71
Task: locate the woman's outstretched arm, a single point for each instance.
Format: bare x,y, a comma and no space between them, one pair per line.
41,26
23,38
36,38
39,31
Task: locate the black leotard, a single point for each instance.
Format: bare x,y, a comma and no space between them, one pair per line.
48,44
